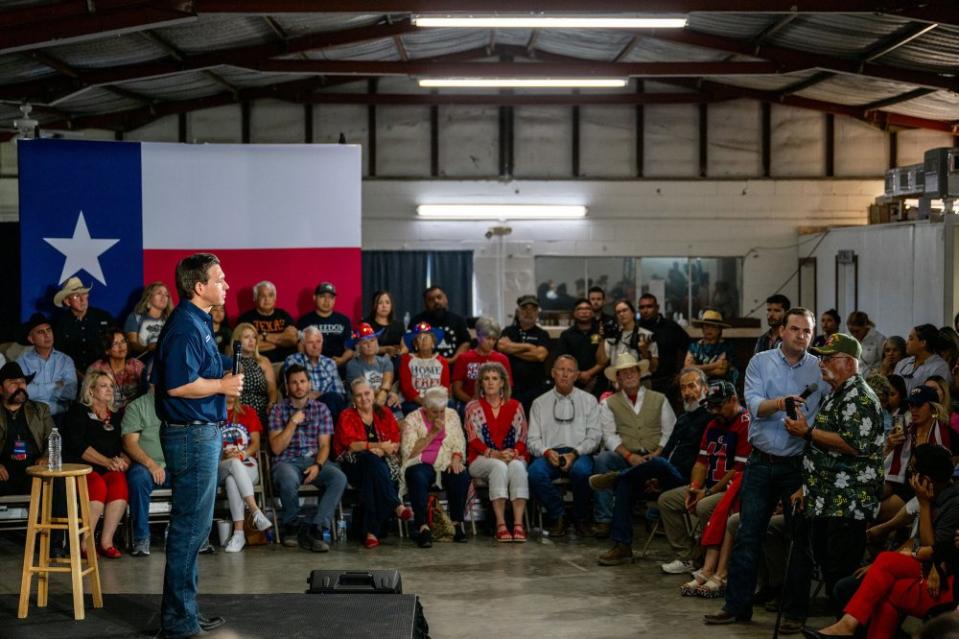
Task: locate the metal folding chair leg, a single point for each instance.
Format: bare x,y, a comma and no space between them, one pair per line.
649,539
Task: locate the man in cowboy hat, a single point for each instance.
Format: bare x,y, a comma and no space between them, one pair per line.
713,355
54,375
25,426
636,424
77,330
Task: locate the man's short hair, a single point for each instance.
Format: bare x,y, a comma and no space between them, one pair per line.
933,461
566,356
192,270
780,299
310,330
596,289
798,310
649,296
580,300
929,334
430,290
264,284
292,370
834,314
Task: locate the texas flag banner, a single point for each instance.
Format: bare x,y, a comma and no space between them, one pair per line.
119,215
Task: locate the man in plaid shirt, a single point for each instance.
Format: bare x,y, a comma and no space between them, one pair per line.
301,430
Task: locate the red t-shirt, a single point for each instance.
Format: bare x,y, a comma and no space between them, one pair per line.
239,428
468,365
725,447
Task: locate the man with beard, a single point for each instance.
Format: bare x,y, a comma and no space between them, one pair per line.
597,301
672,339
25,426
776,307
456,336
671,468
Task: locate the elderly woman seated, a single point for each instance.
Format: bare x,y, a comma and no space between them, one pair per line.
433,451
496,433
92,436
366,444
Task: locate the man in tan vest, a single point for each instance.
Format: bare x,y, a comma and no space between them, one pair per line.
636,424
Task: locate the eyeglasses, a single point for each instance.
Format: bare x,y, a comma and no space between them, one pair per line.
564,410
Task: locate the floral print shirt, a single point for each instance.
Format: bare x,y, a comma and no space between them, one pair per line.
841,485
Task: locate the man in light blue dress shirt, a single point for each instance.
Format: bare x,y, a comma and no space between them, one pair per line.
773,471
55,381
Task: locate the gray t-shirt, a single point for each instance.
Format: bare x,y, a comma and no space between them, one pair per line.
373,373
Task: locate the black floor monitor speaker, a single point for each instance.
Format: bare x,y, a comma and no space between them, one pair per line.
347,582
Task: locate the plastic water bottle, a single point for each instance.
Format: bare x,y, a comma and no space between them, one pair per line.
326,535
54,448
340,530
406,320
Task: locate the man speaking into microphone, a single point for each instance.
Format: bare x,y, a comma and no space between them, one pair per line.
191,391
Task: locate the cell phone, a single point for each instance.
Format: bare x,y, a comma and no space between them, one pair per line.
791,411
898,427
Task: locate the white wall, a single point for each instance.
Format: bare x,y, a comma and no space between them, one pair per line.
902,273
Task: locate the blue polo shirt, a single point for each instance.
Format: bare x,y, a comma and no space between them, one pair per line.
186,351
770,375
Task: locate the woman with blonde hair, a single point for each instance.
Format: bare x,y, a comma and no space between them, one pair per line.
144,324
434,452
496,431
92,436
259,381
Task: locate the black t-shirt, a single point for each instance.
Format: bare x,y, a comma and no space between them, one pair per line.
336,329
527,375
222,337
392,333
673,342
84,430
275,322
80,339
683,446
20,450
581,344
454,328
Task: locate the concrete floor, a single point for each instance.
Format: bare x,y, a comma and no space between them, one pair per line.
542,588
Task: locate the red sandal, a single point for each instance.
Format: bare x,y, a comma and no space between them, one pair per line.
519,535
503,535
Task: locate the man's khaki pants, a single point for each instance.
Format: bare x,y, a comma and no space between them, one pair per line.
672,512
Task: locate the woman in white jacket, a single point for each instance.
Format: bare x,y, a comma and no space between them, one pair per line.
434,453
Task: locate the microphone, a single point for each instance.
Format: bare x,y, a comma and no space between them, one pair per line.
236,357
809,390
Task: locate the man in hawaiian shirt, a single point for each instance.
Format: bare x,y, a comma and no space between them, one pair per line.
842,475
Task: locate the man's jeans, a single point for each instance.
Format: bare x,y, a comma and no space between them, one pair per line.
192,456
765,483
288,477
140,484
605,462
632,481
542,474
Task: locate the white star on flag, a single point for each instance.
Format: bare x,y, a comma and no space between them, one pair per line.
82,252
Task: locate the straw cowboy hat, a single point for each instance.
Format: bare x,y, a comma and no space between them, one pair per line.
713,318
624,361
72,287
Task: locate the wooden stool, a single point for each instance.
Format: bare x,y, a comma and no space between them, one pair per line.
41,501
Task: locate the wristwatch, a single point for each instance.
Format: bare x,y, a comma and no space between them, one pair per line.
808,434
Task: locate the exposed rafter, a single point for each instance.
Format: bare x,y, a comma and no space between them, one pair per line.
897,99
802,85
897,39
774,28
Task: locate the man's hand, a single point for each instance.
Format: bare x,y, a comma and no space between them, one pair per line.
310,473
923,487
584,377
798,501
932,583
158,474
552,457
693,497
652,486
797,427
4,474
231,385
298,417
570,458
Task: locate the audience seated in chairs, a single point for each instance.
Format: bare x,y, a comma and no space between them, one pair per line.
25,426
127,372
93,436
382,319
377,370
239,470
259,379
274,326
77,328
142,327
714,355
325,383
949,416
141,442
922,362
53,374
893,351
467,373
421,367
433,451
301,430
367,445
496,431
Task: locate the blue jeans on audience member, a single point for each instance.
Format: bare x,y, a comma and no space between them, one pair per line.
336,402
765,483
192,455
421,477
140,484
631,482
541,476
605,462
288,477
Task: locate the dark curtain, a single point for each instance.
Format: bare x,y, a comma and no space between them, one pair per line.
405,274
10,267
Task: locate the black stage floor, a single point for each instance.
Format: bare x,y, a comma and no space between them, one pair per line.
248,617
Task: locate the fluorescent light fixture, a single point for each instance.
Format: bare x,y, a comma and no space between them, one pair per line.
550,22
589,83
500,211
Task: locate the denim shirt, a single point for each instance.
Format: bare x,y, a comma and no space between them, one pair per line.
55,383
770,375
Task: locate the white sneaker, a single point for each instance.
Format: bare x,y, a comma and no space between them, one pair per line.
236,543
677,567
261,521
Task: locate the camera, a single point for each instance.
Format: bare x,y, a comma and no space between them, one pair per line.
562,461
